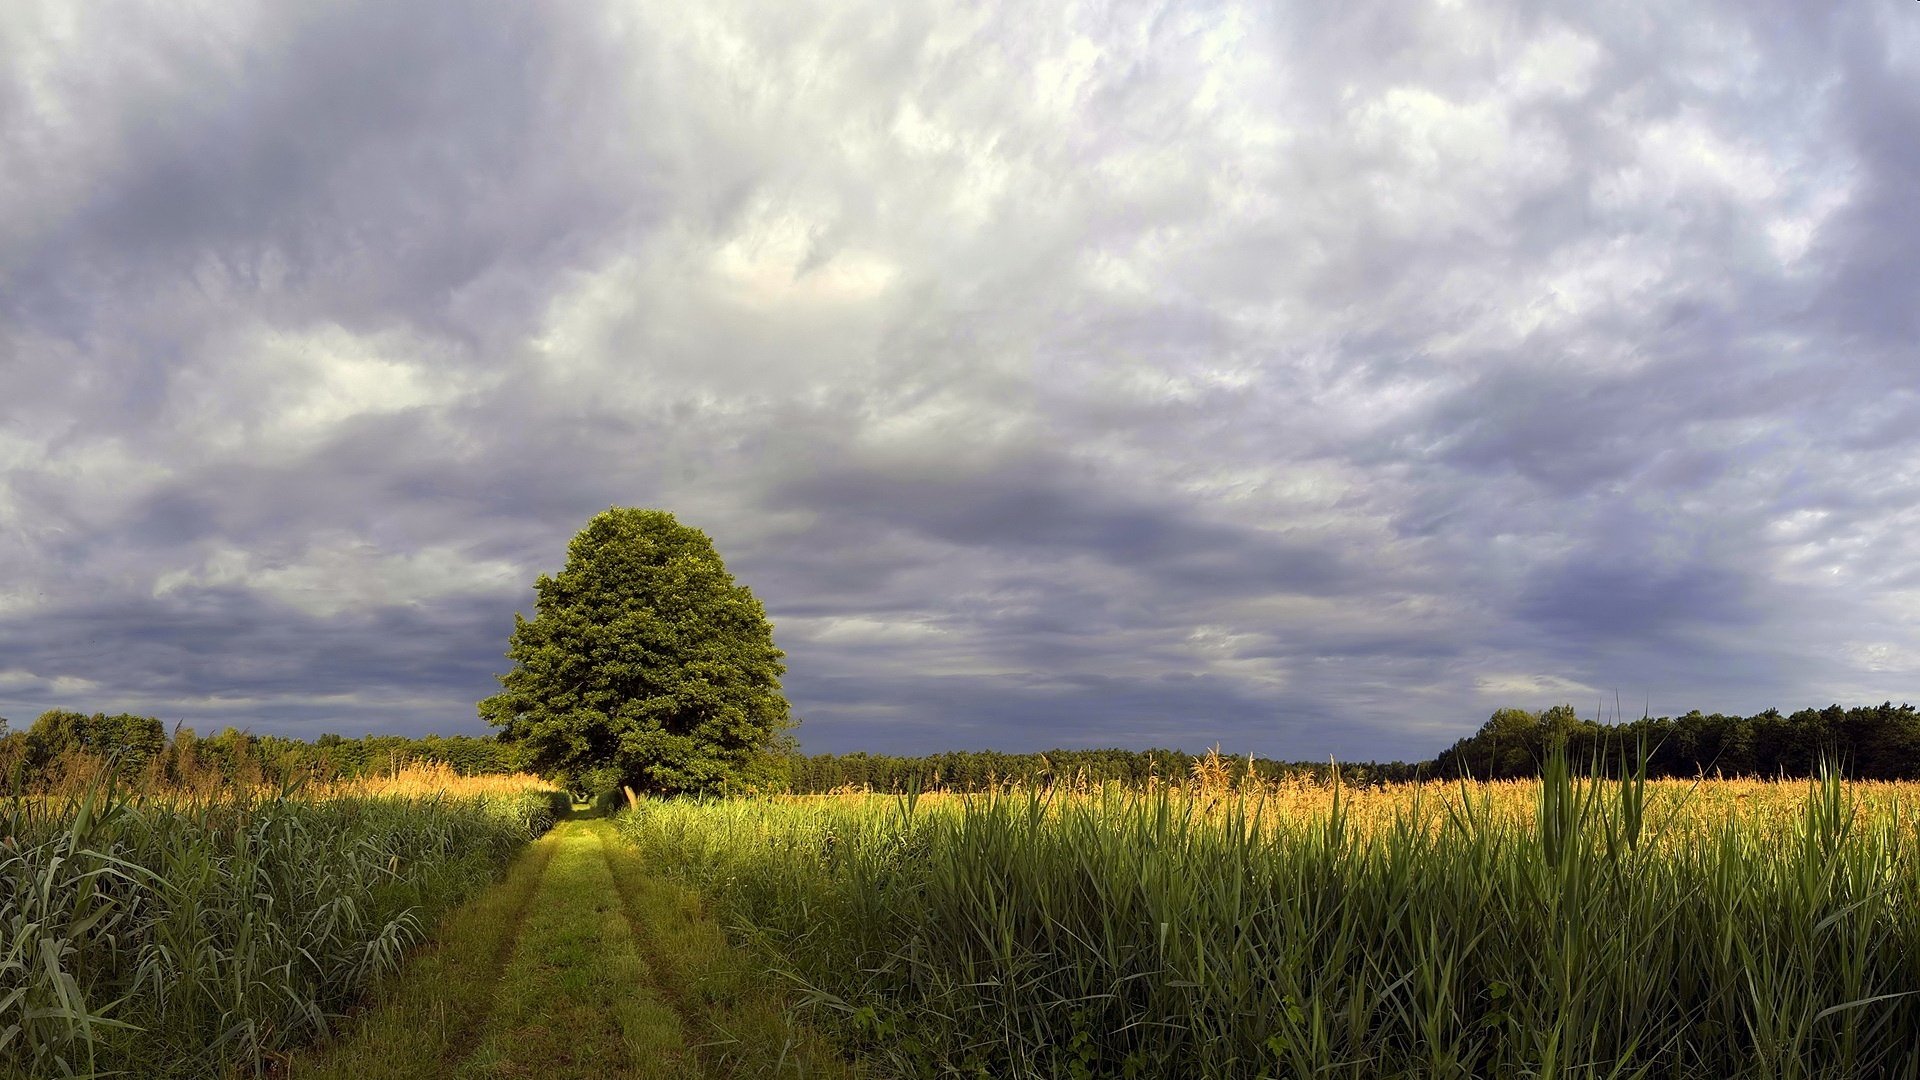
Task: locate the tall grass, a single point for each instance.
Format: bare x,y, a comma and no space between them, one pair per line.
157,936
1570,927
422,779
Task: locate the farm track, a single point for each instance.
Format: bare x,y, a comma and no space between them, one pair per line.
462,1032
578,964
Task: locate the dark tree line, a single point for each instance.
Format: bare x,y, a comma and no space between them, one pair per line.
986,770
64,746
1878,742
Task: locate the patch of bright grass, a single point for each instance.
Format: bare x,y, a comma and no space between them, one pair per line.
168,935
740,1024
1570,927
576,999
435,1011
578,965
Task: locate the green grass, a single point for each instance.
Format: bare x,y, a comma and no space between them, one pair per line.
1132,936
580,965
1596,931
575,1000
435,1011
157,938
739,1021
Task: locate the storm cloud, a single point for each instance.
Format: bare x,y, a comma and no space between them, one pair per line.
1309,380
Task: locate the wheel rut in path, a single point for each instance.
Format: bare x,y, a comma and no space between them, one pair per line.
736,1019
436,1010
577,1000
578,965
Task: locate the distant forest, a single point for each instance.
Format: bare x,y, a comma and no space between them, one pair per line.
984,770
64,748
1880,742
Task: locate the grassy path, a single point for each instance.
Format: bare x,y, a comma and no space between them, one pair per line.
577,965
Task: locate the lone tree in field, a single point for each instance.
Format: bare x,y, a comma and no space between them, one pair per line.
644,664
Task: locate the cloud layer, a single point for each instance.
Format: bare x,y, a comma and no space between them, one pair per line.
1098,374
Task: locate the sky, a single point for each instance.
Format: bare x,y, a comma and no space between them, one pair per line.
1310,379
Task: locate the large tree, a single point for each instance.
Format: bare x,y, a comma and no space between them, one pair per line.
644,664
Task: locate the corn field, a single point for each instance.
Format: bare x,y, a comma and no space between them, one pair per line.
1571,926
157,936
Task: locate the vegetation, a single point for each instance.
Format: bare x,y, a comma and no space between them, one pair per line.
579,965
1880,742
161,936
1078,913
1877,742
987,770
66,751
1565,926
645,665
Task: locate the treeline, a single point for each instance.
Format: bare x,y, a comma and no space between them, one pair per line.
1879,742
988,770
63,748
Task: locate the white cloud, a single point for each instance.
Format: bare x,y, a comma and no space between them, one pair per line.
262,389
17,601
1885,657
1523,689
1365,340
1242,657
346,575
861,630
18,681
1559,63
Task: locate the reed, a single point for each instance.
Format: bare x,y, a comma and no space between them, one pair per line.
1572,926
166,935
425,779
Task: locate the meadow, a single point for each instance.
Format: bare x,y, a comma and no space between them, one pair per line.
1224,926
1560,927
194,935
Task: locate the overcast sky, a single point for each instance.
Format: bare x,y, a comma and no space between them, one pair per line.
1309,378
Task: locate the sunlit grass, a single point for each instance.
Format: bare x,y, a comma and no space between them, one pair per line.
1555,927
167,935
434,778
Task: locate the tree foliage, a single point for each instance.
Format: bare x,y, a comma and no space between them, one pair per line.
988,770
66,750
644,664
129,742
1875,742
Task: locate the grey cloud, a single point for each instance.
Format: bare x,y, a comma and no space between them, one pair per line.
1871,291
358,163
1016,713
199,646
1017,506
1281,378
1642,602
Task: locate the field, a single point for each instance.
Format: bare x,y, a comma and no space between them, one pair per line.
404,927
400,926
1563,927
192,936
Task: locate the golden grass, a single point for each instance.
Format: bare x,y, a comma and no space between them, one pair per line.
1555,927
1677,811
416,781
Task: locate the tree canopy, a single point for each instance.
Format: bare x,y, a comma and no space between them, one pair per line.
1875,742
128,741
644,664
